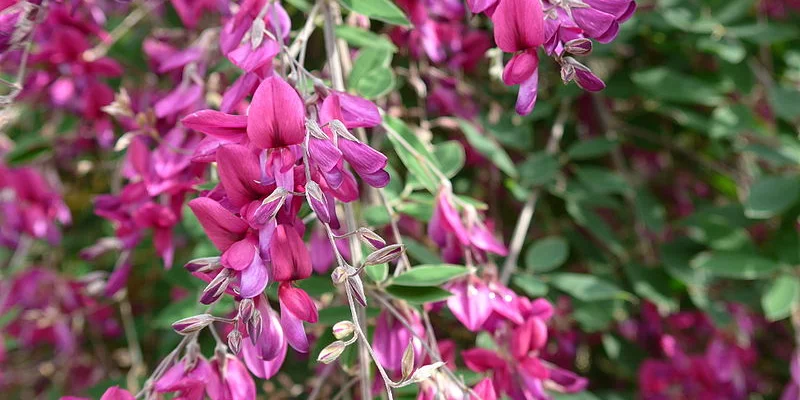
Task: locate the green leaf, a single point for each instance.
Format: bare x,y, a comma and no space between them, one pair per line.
371,75
592,148
333,314
420,165
531,285
429,275
538,169
761,33
382,10
784,102
601,180
771,195
547,254
665,84
488,147
782,295
378,273
376,83
594,316
419,252
649,210
589,219
586,287
451,157
418,294
652,284
363,38
735,264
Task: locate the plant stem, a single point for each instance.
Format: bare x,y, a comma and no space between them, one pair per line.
526,216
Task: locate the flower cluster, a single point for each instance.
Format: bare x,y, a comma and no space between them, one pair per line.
53,312
31,206
561,27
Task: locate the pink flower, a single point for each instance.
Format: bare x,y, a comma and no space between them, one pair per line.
276,116
391,338
518,25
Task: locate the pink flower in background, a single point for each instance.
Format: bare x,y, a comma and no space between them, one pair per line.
30,206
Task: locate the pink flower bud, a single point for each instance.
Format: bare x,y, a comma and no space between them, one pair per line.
235,341
387,254
343,329
331,352
192,324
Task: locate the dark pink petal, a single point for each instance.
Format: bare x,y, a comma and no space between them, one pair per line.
610,34
178,100
258,365
593,22
116,393
293,329
290,259
298,302
180,59
237,92
377,179
479,6
237,381
482,360
276,116
362,158
526,98
588,80
484,240
485,390
238,172
324,153
353,111
470,303
521,67
228,127
518,25
254,278
222,227
240,255
249,59
568,380
450,218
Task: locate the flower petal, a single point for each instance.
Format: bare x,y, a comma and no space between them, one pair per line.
222,227
276,116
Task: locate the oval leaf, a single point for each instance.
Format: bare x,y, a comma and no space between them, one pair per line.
429,275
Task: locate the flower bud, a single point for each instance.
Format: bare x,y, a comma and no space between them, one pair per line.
343,329
331,352
192,324
316,200
235,341
339,129
339,275
269,206
407,364
254,326
205,264
426,371
371,238
357,288
257,33
579,47
315,131
216,287
246,308
387,254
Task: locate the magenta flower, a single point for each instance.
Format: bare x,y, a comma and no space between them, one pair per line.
276,116
456,235
391,338
516,368
518,25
